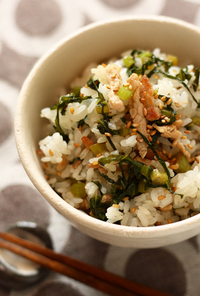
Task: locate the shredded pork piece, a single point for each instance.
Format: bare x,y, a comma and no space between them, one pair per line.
178,123
143,160
182,149
137,112
114,81
146,94
170,131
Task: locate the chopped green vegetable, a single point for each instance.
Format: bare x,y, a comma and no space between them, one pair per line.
195,121
98,148
125,93
158,178
78,190
124,131
145,171
145,56
128,61
183,163
173,59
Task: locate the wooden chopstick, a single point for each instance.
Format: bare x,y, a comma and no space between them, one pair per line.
90,275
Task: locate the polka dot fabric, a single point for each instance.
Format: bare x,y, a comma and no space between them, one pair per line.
27,30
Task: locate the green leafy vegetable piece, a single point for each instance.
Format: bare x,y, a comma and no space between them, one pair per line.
98,209
196,81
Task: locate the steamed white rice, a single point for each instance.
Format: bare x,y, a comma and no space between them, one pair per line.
67,162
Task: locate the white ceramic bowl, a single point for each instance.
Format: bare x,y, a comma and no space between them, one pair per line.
64,62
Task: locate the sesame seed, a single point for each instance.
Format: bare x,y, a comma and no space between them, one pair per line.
153,132
187,132
163,120
128,124
140,140
51,152
164,151
76,145
161,197
166,208
104,65
136,124
150,138
116,206
169,220
190,146
130,87
58,173
158,223
72,110
156,76
165,191
126,84
149,126
178,116
169,101
160,106
174,166
197,160
184,137
125,198
133,210
107,134
163,98
45,165
177,104
108,86
95,162
169,155
145,112
142,99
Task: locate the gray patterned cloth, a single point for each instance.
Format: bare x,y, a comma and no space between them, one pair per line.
27,29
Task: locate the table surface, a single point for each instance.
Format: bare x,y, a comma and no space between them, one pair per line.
27,30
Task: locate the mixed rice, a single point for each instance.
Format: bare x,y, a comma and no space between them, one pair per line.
123,145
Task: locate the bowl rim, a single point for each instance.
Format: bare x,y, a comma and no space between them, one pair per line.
62,206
